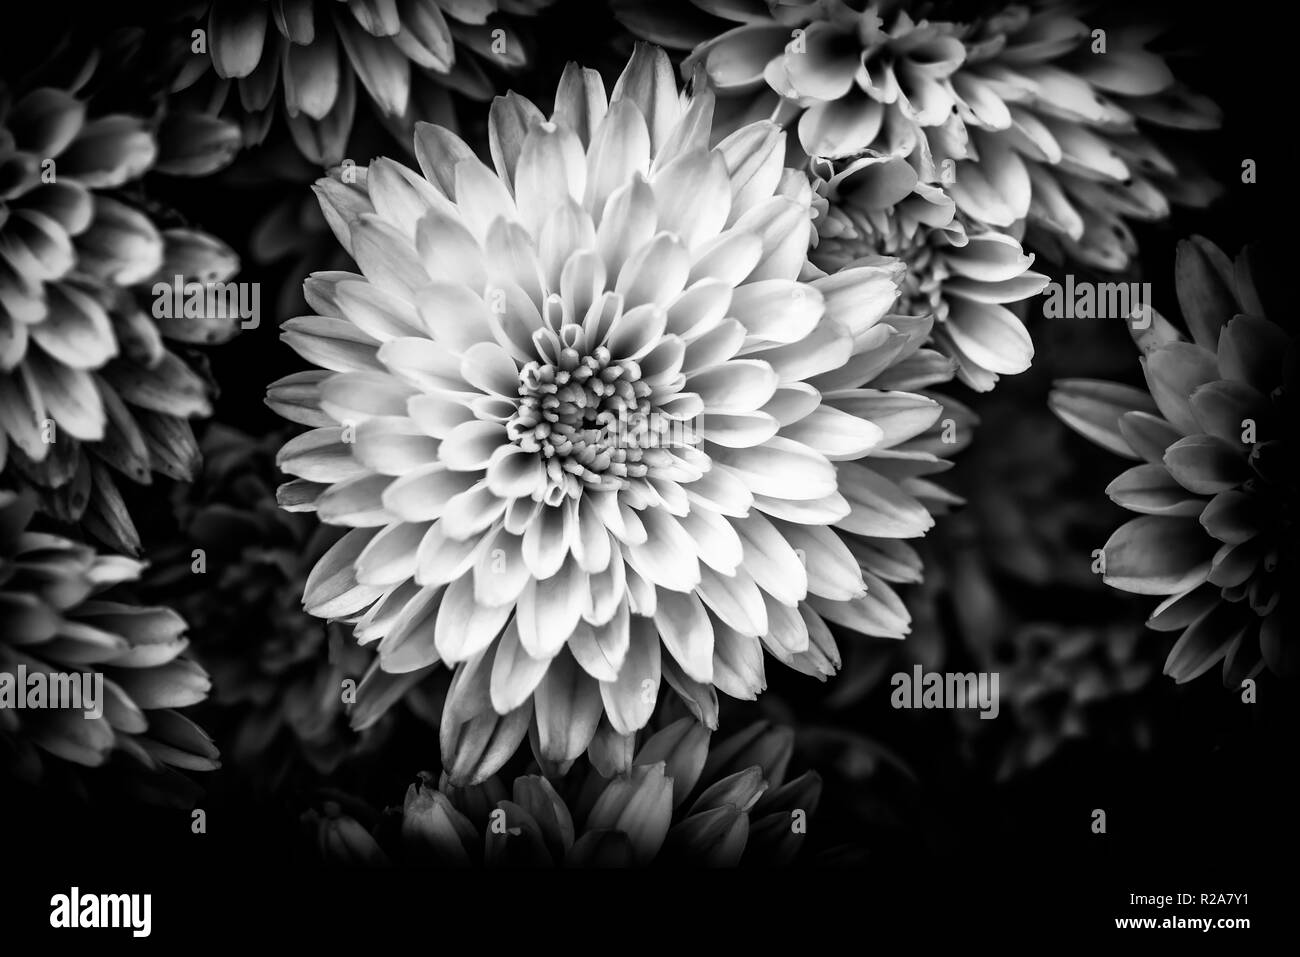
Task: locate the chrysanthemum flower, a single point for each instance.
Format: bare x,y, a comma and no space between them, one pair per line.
1019,115
1060,126
672,800
88,385
1217,488
57,616
407,57
964,277
278,672
582,410
853,75
53,226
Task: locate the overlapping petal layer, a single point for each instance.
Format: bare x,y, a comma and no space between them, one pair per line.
958,271
59,617
1027,117
311,58
1216,481
236,571
593,425
89,384
672,800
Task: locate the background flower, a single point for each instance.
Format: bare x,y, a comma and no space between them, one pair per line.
958,271
235,565
1216,487
1061,683
59,613
1034,115
89,383
313,57
1064,119
676,798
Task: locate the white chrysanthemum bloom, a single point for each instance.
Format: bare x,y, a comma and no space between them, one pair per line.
590,427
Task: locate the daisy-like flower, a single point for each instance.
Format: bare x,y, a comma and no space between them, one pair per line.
673,800
852,75
590,428
278,673
88,384
1060,128
1028,117
58,615
54,225
408,58
878,206
1216,490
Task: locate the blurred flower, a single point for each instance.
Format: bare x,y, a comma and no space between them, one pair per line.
236,568
1029,513
59,616
1019,548
408,57
1062,683
292,235
88,385
1027,115
127,70
675,802
1217,487
566,425
878,207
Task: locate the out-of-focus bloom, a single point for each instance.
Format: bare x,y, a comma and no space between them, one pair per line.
88,384
58,616
1062,683
964,277
408,59
1021,546
574,427
1216,489
293,237
126,70
236,568
1029,515
673,800
1025,116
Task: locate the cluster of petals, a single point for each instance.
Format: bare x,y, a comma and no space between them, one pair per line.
308,57
89,386
59,615
596,423
1216,484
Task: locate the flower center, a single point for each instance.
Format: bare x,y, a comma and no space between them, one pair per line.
590,418
922,287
